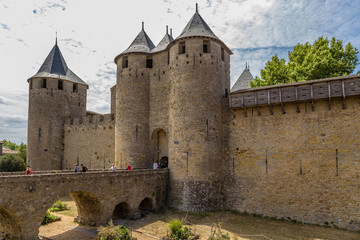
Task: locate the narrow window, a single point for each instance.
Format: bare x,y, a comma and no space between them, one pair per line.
149,62
60,84
182,48
222,54
30,83
125,62
226,93
39,134
206,46
168,55
75,87
43,84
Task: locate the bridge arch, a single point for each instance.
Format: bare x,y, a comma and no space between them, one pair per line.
121,211
88,206
9,225
146,204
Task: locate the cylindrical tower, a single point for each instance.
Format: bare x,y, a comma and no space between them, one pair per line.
199,77
55,93
132,103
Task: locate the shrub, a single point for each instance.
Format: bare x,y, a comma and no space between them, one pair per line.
113,232
178,231
12,163
58,206
49,218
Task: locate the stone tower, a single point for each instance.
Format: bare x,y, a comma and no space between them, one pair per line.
200,82
55,93
132,102
170,104
243,82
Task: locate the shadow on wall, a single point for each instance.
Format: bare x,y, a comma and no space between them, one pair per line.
9,226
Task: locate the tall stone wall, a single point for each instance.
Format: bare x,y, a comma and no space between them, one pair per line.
302,165
90,141
159,106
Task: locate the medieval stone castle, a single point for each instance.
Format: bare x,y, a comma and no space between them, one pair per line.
287,151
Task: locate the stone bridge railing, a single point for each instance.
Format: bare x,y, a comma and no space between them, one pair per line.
99,195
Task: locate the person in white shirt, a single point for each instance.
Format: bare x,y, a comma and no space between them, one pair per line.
155,165
113,168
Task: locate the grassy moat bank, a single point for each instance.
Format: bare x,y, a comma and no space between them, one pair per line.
155,225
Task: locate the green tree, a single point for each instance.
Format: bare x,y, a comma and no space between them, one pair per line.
10,145
324,58
22,151
12,163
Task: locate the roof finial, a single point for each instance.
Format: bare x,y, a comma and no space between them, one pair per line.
245,65
142,27
170,31
56,37
197,11
167,29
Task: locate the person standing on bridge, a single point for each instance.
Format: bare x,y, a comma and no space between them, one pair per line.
83,168
128,167
28,171
77,168
155,165
113,168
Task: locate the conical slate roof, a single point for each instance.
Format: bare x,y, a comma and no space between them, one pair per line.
164,42
55,66
243,81
142,43
197,27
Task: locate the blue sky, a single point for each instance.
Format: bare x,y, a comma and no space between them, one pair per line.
91,33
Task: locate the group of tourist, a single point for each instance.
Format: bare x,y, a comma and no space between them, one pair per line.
82,168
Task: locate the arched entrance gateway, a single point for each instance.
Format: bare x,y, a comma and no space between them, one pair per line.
159,147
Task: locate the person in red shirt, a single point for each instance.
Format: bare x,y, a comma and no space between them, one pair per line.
28,171
128,167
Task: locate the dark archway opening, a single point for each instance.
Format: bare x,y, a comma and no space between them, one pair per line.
9,227
145,206
159,145
164,162
122,211
88,206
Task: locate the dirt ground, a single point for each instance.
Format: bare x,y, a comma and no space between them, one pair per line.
154,226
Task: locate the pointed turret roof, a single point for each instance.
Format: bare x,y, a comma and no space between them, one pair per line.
197,27
243,81
55,66
164,42
142,43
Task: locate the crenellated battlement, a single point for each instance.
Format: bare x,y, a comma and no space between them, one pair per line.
90,121
328,88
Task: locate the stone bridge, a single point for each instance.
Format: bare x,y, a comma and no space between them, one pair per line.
99,196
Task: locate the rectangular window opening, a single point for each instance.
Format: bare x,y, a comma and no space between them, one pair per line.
149,62
206,47
60,84
125,62
75,88
43,83
182,48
